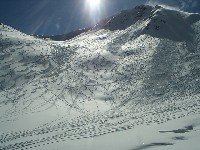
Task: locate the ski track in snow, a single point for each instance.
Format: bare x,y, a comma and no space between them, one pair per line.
103,81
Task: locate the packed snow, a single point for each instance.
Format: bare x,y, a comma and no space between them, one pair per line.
131,82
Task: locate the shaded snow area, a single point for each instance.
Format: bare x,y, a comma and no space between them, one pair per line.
132,82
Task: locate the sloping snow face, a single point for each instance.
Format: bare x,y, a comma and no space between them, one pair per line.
138,68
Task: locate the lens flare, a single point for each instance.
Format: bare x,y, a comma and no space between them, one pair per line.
94,3
95,10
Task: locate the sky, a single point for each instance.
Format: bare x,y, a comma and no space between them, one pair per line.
55,17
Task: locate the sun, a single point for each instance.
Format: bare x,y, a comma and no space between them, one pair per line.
94,3
94,9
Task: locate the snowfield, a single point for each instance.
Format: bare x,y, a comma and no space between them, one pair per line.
132,82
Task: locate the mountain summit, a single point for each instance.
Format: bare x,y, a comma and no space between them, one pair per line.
137,69
159,22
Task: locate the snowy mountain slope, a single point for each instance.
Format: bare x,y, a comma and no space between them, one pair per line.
19,57
121,75
126,18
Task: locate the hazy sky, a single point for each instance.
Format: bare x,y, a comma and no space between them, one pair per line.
50,17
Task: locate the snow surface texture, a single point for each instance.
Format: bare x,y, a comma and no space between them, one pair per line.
137,72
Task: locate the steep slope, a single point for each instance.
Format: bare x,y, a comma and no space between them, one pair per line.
126,18
140,67
20,61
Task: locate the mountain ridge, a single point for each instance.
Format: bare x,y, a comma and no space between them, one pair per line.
129,17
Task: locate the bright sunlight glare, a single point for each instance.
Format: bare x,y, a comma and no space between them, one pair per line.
95,9
93,3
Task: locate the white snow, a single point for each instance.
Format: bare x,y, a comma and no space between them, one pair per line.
126,84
